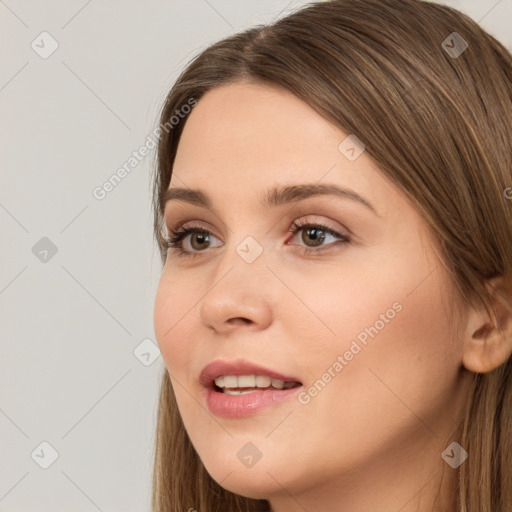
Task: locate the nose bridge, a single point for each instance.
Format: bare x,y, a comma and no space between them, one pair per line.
244,262
239,288
245,245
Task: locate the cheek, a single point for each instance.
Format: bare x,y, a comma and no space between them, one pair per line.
395,389
378,293
407,363
173,314
390,327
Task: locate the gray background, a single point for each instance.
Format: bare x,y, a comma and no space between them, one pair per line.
79,367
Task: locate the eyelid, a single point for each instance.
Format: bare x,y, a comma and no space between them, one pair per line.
302,219
173,222
183,230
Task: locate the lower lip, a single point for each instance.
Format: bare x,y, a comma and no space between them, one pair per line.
240,406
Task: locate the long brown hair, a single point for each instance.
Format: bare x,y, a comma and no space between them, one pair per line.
436,116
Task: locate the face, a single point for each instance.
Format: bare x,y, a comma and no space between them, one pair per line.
352,305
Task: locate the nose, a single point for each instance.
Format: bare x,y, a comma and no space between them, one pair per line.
241,295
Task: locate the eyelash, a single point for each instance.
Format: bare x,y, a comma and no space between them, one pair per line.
175,241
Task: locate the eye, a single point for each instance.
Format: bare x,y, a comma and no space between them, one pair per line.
317,233
199,236
177,237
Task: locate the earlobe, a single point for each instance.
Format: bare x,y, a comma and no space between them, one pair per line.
488,341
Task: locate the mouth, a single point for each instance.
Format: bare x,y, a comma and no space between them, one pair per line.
236,389
244,384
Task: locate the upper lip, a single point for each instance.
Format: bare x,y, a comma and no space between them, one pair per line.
220,367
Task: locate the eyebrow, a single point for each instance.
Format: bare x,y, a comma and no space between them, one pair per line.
273,198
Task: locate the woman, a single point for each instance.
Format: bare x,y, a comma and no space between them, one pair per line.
333,208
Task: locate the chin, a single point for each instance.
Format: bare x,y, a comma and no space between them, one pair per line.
258,487
254,482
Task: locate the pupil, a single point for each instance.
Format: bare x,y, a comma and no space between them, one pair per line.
202,237
316,237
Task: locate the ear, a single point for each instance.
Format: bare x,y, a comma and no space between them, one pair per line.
488,341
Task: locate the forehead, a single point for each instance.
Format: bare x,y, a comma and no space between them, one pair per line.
256,119
258,132
242,139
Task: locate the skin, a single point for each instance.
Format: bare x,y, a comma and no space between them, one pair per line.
372,438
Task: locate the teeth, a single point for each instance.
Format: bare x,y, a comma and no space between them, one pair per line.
279,384
246,381
262,381
236,392
249,381
230,382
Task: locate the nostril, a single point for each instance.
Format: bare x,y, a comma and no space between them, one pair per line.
239,320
